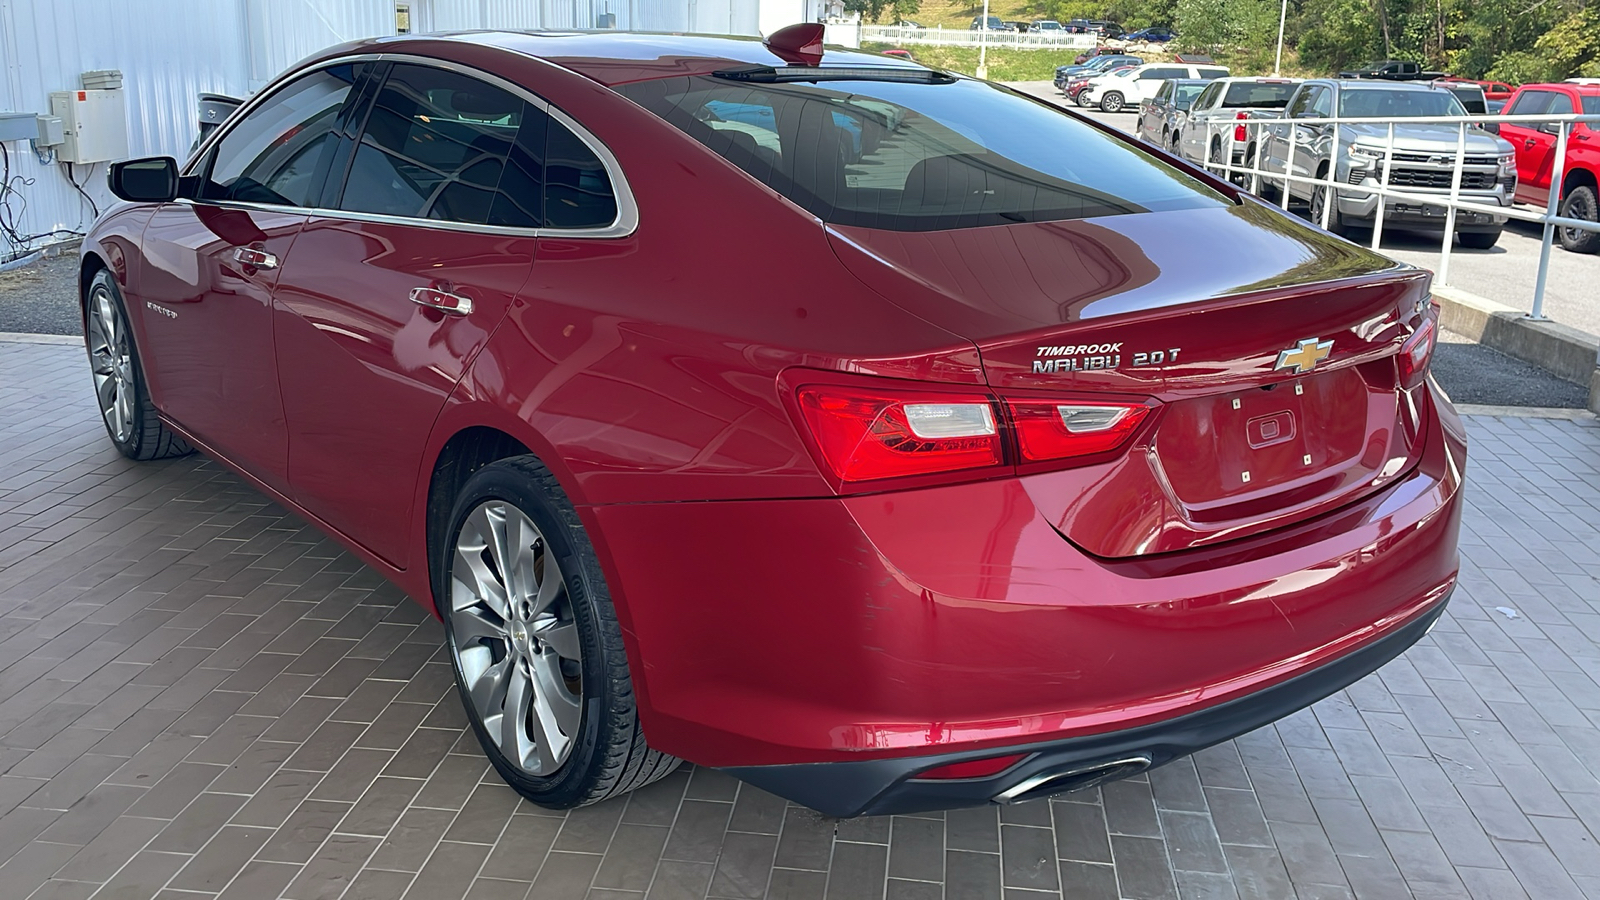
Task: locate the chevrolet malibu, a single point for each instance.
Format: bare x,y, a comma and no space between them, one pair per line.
883,437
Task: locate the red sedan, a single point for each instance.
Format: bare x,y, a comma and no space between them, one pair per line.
885,437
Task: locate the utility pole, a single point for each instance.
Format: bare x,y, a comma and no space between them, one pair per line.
1283,16
983,43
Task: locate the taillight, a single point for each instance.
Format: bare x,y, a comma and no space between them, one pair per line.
1415,354
1238,130
866,434
1052,431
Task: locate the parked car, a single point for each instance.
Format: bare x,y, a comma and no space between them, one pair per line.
1097,65
1391,70
1535,146
1156,35
1232,104
1492,90
1471,95
897,51
1114,92
1423,161
1076,83
1046,26
1161,116
902,513
907,23
995,24
1108,30
1019,27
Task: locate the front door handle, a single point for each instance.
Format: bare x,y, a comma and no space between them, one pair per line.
259,259
1528,143
450,304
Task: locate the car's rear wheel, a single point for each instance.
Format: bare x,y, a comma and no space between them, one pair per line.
119,387
1479,240
535,644
1580,204
1082,100
1112,102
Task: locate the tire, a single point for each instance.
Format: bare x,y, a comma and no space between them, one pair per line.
1176,145
1336,225
561,646
1479,240
1580,203
1112,102
131,420
1082,103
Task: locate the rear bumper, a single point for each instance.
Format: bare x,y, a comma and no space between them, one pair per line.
906,628
888,786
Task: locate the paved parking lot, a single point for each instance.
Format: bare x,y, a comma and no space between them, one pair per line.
201,696
1505,273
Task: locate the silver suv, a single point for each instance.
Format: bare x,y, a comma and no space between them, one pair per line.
1423,162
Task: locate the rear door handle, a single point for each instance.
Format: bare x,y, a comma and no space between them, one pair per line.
259,259
450,304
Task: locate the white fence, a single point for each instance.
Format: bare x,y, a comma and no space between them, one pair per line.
1043,40
1452,202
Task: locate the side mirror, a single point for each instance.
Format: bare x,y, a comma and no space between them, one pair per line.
1491,127
152,180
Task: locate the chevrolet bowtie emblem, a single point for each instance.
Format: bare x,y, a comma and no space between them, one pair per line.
1304,356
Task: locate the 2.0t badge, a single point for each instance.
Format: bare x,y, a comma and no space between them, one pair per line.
1304,356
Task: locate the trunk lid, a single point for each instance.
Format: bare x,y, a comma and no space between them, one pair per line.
1268,344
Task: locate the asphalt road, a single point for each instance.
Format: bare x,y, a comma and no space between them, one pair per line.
41,299
1505,274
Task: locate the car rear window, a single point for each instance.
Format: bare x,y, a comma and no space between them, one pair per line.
1256,95
919,157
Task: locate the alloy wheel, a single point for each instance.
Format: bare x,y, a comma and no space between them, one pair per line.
514,638
111,360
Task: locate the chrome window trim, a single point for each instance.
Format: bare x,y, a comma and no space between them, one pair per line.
624,224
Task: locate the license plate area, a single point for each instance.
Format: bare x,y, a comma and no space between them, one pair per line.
1312,433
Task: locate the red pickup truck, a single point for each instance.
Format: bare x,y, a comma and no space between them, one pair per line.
1536,155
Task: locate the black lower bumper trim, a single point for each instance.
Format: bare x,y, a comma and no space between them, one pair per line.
886,786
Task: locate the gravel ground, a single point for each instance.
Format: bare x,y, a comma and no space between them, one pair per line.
42,299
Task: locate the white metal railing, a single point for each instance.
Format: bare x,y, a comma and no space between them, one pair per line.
1035,40
1452,202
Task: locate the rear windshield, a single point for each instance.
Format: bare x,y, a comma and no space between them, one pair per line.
1381,103
919,157
1255,95
1186,94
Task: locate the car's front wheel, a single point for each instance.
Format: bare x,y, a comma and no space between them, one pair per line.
119,387
1580,203
535,644
1319,202
1112,102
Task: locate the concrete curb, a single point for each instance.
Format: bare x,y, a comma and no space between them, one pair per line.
13,337
1561,350
1525,412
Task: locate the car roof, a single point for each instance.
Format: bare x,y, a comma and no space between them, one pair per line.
620,57
1353,84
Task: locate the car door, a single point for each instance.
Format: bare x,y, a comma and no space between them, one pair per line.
1152,111
1196,127
213,263
422,248
1530,144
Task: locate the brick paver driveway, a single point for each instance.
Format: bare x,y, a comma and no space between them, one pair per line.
201,695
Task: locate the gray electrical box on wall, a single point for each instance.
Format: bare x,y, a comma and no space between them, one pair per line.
95,125
17,126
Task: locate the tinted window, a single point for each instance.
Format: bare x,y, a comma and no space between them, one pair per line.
1208,96
434,147
1165,72
1257,95
1378,102
577,189
278,153
1205,72
920,157
1531,103
1561,105
1187,94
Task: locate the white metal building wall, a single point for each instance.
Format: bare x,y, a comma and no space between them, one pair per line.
169,51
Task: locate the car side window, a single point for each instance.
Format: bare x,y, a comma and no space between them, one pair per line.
1560,105
1164,92
1207,97
1321,103
577,189
278,154
1531,103
1302,102
434,147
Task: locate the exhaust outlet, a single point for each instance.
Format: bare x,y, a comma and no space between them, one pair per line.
1061,781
